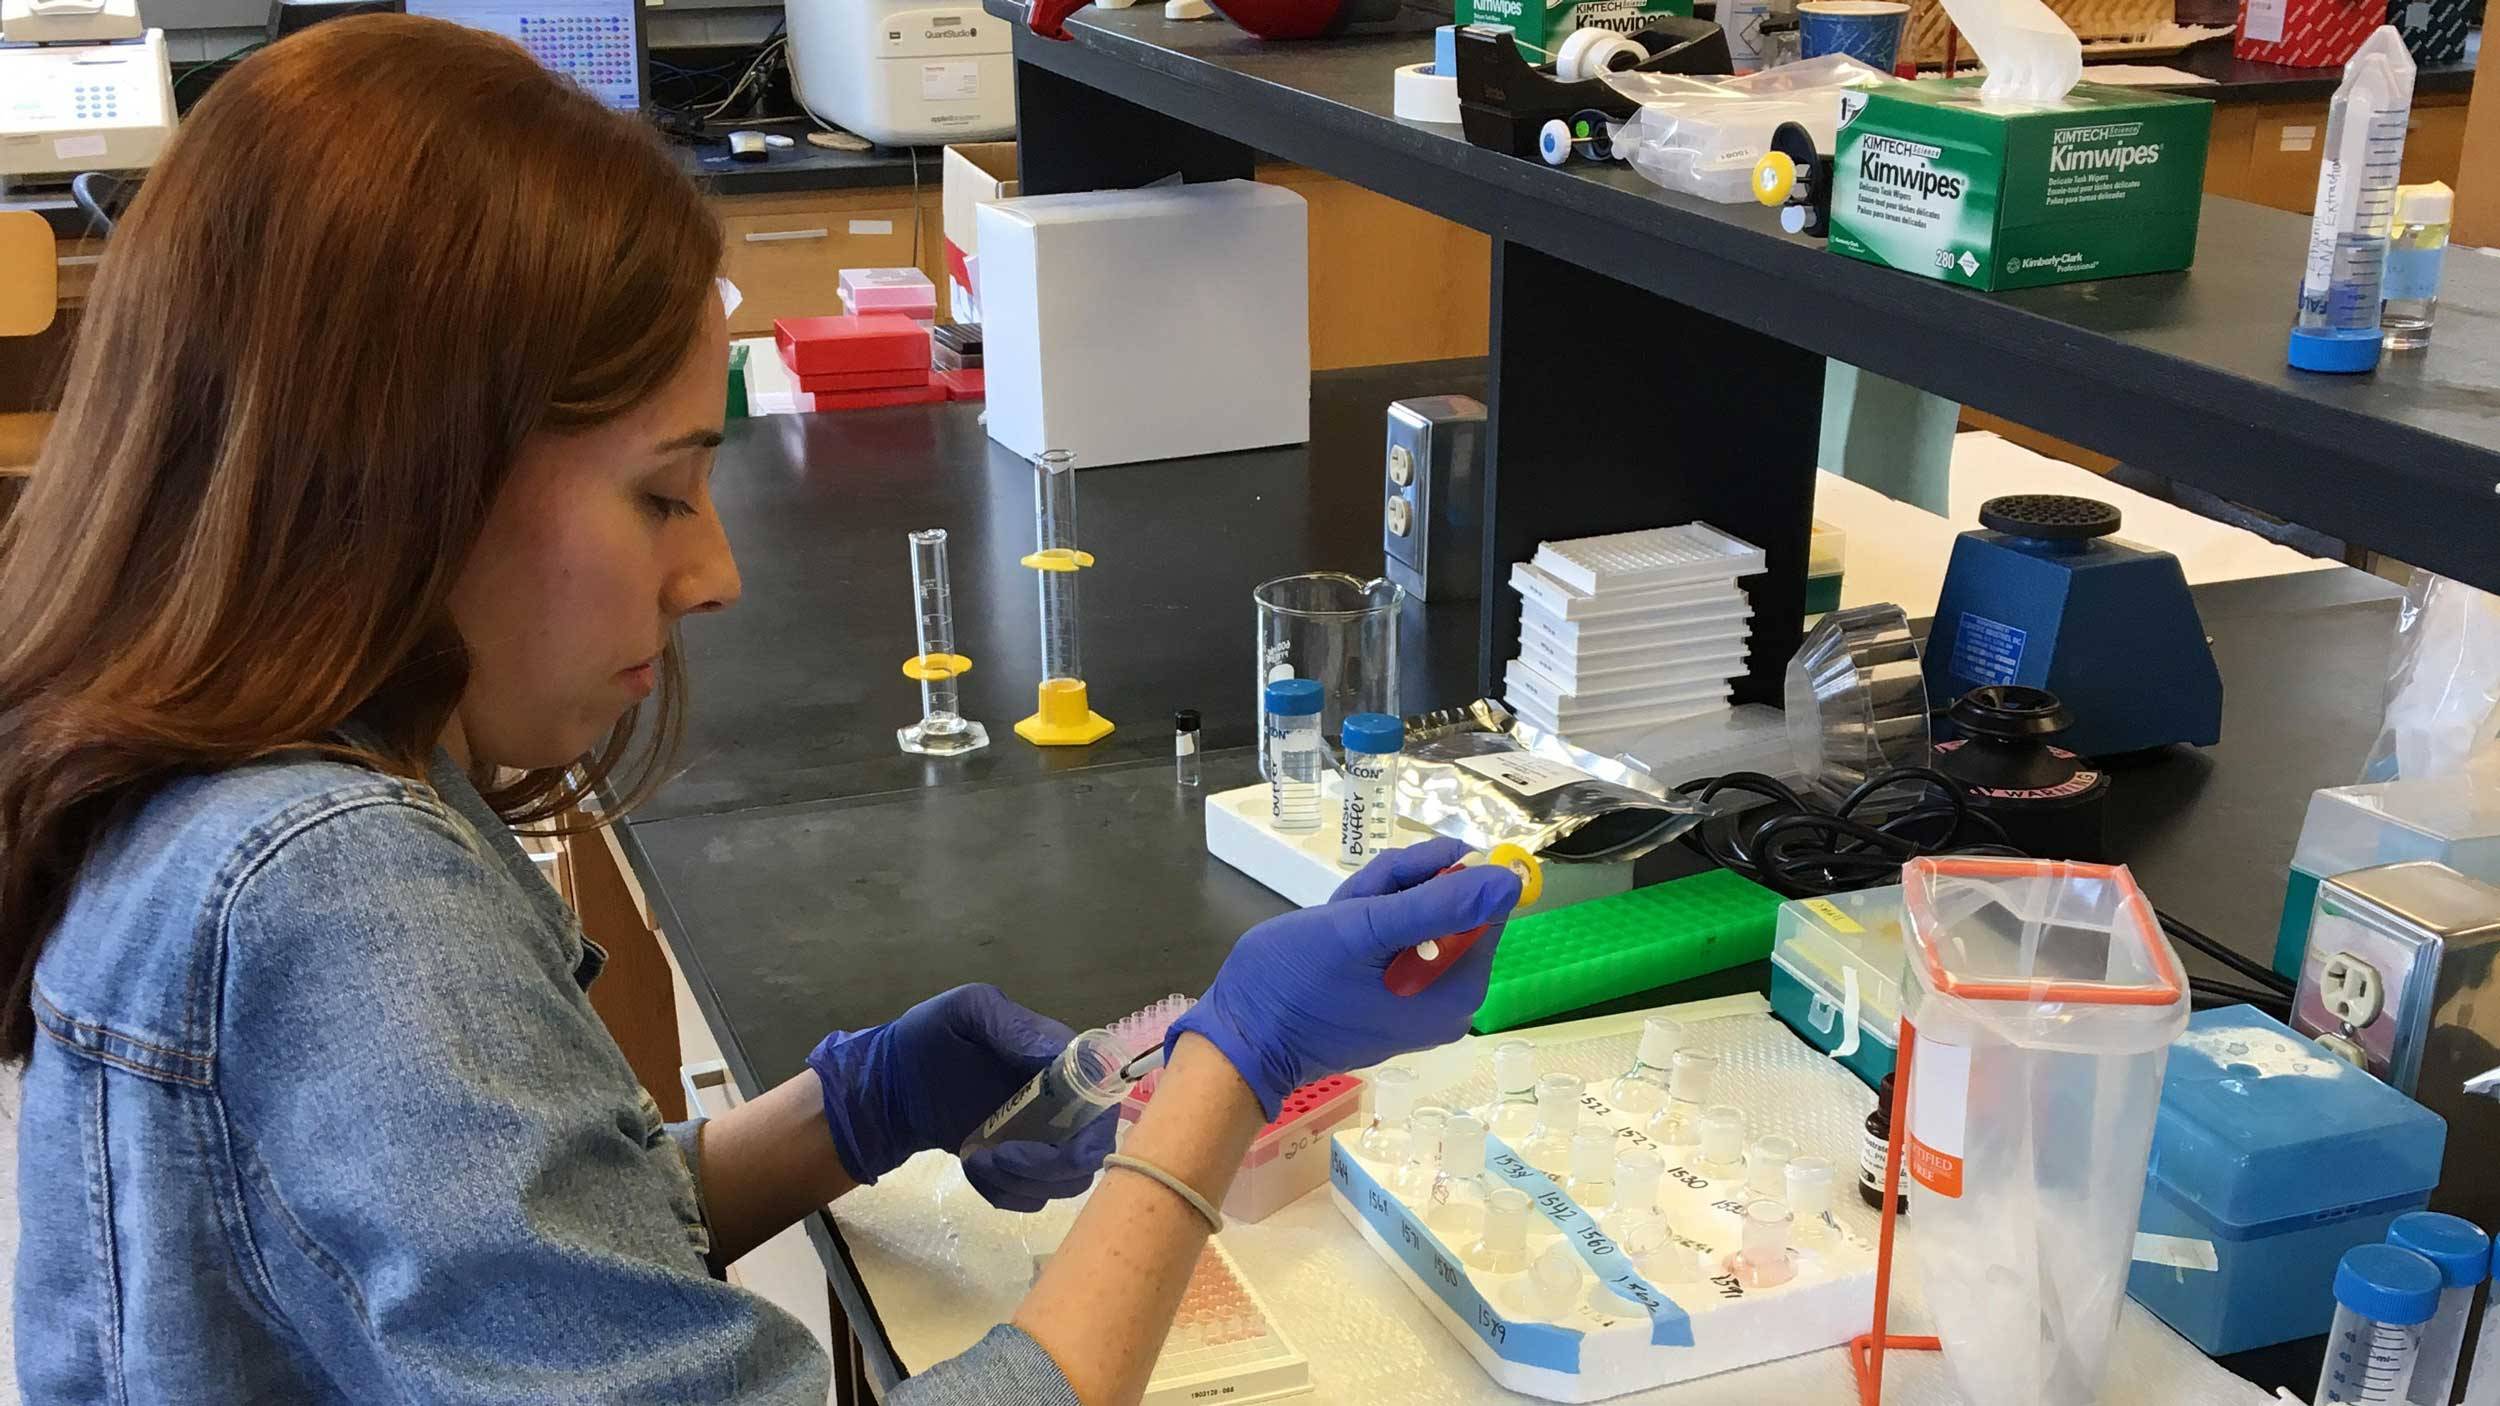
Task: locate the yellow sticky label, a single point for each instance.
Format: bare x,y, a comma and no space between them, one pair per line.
1831,915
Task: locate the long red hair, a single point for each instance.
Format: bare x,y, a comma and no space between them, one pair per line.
375,258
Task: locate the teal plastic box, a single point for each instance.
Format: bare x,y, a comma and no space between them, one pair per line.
1836,971
2282,1157
2448,819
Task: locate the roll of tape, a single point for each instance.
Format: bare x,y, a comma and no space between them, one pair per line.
1591,52
1425,96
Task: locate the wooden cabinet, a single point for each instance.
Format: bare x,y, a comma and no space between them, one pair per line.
2268,153
786,253
1389,283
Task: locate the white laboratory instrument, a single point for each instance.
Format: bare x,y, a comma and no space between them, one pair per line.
903,74
83,87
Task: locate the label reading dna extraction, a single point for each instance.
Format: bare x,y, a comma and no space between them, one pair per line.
1931,181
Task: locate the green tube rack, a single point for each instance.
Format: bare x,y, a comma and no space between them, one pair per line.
1573,957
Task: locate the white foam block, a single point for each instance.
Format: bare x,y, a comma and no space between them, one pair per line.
1596,1349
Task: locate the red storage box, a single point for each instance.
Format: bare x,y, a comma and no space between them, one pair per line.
2306,33
836,382
813,346
962,385
878,400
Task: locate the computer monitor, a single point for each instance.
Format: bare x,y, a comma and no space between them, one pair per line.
596,43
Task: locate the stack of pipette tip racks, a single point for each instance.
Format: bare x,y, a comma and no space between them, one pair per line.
1621,633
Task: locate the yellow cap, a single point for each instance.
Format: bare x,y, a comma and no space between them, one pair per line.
1774,176
1519,861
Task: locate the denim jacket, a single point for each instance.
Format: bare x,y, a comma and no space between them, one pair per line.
318,1112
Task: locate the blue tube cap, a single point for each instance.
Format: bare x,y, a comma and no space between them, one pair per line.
2343,353
1293,698
2388,1284
1374,734
2458,1246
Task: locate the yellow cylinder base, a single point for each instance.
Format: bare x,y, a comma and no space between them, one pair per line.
1061,717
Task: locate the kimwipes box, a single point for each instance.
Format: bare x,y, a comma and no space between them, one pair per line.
2106,181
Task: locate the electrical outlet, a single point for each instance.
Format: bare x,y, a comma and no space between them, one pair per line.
2351,990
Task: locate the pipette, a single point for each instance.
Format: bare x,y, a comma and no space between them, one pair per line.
2338,326
1421,965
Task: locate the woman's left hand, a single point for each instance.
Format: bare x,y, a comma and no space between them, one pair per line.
930,1077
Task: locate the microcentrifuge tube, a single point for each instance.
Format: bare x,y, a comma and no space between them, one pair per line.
1766,1165
1558,1114
1511,1114
1063,715
1722,1142
1552,1286
1633,1222
1456,1211
1503,1248
1644,1087
1591,1185
1413,1181
1393,1100
1808,1185
942,730
1764,1261
1690,1074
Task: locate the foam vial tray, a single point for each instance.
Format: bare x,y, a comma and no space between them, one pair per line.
1604,1346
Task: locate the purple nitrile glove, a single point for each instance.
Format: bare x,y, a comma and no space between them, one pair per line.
931,1076
1305,995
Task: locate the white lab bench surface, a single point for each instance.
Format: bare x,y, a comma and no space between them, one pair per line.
942,1267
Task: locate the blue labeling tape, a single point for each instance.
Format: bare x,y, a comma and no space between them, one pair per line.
1988,651
1543,1345
1669,1326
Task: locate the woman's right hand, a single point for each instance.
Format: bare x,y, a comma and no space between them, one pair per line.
1304,995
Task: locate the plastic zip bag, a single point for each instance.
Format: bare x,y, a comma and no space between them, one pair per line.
1479,774
1702,138
2443,691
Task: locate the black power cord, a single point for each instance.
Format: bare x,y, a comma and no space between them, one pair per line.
1798,849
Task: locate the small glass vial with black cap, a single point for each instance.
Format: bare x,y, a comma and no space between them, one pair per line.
1185,747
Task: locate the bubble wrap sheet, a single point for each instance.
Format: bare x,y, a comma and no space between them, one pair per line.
942,1266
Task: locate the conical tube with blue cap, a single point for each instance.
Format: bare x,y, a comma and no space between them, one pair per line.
2338,324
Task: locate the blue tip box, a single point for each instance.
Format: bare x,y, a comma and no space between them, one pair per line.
2283,1157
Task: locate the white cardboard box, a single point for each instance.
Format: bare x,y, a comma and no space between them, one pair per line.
975,174
1127,325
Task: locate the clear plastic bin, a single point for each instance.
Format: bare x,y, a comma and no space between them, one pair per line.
1836,976
2043,999
2388,822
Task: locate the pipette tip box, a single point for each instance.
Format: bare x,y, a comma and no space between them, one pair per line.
2281,1157
1289,1158
1604,1345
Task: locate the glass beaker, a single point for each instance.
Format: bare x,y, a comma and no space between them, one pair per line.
1332,627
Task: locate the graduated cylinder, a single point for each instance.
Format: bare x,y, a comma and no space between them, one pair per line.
1062,715
942,729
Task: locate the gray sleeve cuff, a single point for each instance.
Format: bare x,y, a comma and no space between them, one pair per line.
689,1139
1006,1368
